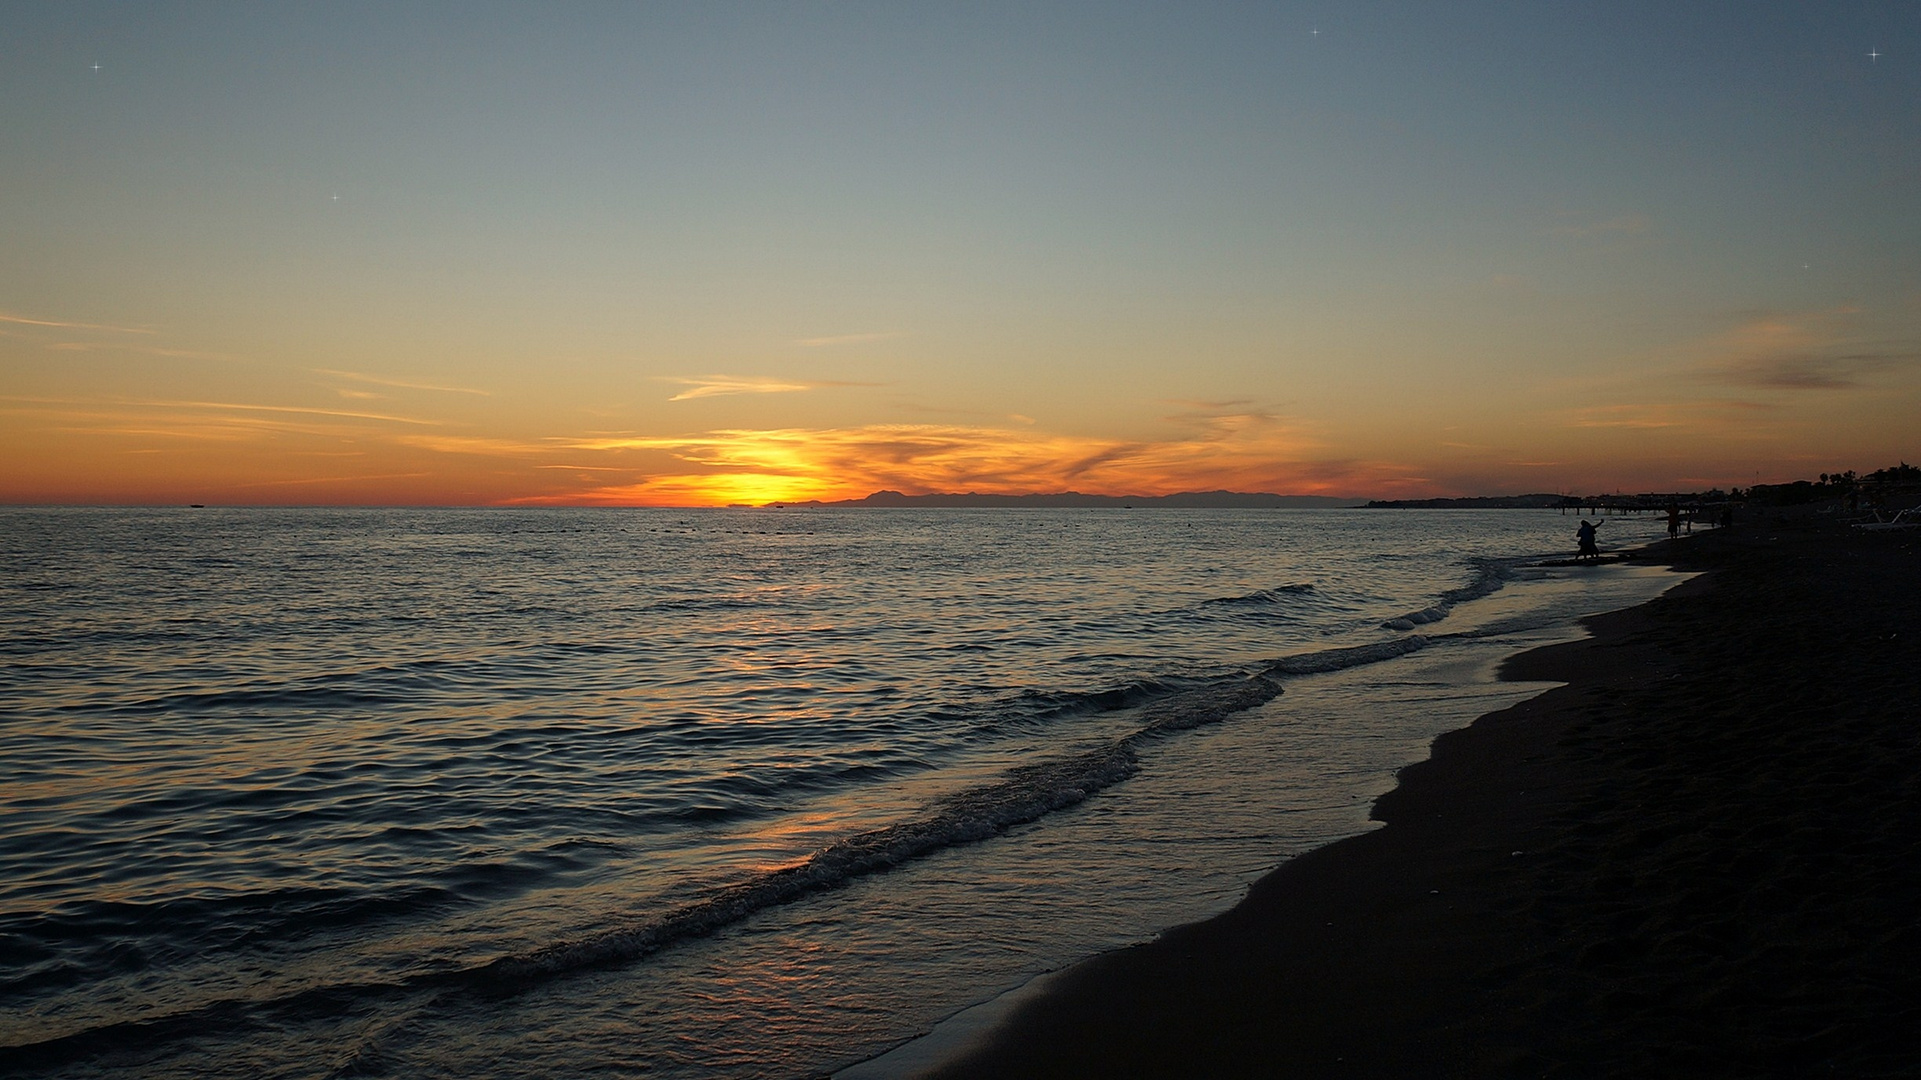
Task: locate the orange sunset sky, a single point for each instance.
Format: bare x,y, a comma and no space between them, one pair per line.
709,254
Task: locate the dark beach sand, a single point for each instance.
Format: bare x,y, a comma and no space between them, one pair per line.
1702,857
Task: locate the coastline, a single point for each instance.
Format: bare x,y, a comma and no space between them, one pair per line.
1689,858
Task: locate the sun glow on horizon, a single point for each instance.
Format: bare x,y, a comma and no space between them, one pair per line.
796,465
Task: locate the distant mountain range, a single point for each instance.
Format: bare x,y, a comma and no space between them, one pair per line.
1478,502
1186,500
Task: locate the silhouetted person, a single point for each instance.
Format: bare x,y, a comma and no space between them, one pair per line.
1727,517
1674,521
1585,536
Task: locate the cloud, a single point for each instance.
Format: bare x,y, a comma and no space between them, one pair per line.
335,479
844,339
475,444
138,350
22,320
118,406
1699,415
296,409
721,385
1801,372
739,465
1210,406
41,330
1798,352
378,380
1230,415
204,420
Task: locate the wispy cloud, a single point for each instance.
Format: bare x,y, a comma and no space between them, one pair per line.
334,479
138,350
1210,406
1802,372
1245,452
107,409
1816,350
475,444
1222,420
22,320
294,409
1700,414
381,380
845,339
721,385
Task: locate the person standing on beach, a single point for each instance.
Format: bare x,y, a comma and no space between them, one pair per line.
1585,536
1674,521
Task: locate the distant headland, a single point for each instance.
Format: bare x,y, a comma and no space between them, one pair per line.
1476,502
1875,489
1186,500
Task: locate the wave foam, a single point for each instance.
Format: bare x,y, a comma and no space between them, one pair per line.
1025,794
1028,793
1338,659
1489,576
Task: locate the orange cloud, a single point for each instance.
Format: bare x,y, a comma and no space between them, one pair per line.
306,480
719,385
378,380
1245,451
294,409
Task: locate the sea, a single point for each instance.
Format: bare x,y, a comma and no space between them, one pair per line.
706,793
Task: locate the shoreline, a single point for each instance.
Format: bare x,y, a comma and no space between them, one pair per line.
1403,708
1591,881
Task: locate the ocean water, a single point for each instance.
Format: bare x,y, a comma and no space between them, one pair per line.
719,793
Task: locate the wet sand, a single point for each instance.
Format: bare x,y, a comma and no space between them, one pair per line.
1701,857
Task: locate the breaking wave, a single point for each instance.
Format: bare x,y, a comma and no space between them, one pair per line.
1024,794
1489,576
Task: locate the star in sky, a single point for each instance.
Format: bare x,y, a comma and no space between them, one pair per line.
1874,55
96,67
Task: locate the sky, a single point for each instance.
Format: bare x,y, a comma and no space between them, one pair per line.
711,253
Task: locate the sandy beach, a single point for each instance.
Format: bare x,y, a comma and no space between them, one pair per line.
1695,859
